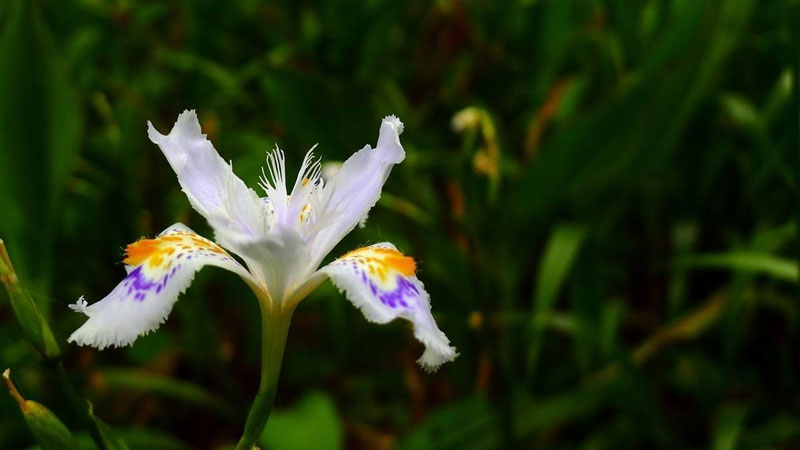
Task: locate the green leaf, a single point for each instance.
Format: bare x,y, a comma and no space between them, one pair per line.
184,391
148,439
312,423
39,137
779,429
406,208
633,136
472,422
728,427
743,261
132,439
743,112
194,64
110,438
558,258
465,423
535,414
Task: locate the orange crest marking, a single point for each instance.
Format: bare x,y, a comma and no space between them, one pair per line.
380,261
156,251
140,250
397,261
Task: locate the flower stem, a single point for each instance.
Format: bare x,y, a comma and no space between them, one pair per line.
274,329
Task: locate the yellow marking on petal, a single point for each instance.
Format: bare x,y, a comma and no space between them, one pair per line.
155,252
200,242
379,261
140,251
398,261
156,259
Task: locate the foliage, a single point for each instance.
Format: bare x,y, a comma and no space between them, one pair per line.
601,195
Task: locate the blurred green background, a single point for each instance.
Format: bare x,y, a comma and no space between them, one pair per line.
601,195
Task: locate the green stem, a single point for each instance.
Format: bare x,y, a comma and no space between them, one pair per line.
274,329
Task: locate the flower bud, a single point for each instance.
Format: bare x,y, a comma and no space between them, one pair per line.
34,327
47,429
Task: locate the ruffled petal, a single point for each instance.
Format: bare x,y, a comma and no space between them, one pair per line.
380,281
344,201
209,182
159,270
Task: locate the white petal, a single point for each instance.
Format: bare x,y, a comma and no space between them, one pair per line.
380,281
158,271
208,181
348,196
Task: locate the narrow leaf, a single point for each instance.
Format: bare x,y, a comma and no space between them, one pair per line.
743,261
559,256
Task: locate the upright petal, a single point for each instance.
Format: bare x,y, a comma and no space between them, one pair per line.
346,199
159,270
208,181
381,282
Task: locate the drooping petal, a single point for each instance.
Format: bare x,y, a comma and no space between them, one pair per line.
346,199
208,181
381,282
159,270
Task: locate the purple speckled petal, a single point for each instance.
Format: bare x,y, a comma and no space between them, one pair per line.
156,276
381,282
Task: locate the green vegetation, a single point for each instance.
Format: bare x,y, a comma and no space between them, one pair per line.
602,197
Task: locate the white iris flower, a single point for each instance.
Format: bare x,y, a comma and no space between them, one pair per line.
281,238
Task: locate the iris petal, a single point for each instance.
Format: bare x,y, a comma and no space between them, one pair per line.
208,181
159,270
344,201
381,282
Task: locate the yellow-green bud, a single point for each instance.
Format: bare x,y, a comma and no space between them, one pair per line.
48,431
34,327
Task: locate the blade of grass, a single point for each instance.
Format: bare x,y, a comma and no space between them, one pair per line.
742,261
39,138
559,256
729,424
189,393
